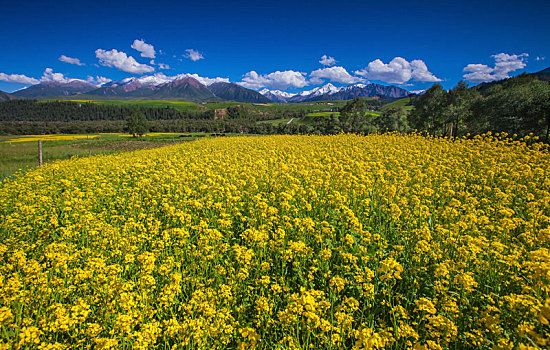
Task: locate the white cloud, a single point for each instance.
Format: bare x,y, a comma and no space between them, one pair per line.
398,71
204,80
119,60
540,58
49,75
98,80
193,55
146,50
327,60
161,65
335,74
278,80
18,78
504,64
70,60
421,73
478,73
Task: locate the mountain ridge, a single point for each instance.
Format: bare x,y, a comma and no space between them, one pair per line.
4,96
234,92
187,87
329,92
56,88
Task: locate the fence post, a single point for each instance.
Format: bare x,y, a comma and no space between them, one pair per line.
40,152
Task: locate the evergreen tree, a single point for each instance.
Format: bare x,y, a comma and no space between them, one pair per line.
392,119
136,122
428,112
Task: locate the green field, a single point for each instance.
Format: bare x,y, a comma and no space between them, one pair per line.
323,114
16,156
179,105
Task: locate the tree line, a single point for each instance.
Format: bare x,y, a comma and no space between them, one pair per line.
519,105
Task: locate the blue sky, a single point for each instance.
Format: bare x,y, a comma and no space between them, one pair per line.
278,45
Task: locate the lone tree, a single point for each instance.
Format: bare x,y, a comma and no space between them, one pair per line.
137,124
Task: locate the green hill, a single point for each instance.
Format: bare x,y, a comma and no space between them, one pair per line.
234,92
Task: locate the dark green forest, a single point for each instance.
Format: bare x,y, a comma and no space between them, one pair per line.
519,106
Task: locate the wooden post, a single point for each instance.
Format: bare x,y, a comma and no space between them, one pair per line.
40,152
172,139
90,153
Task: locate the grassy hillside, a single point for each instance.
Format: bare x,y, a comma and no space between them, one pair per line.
400,103
179,105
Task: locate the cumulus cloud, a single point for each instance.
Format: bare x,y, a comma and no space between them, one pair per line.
327,60
49,75
421,73
146,50
278,80
119,60
478,73
18,78
504,64
98,80
70,60
204,80
335,74
540,58
398,71
193,55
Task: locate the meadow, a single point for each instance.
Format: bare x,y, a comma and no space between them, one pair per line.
19,153
179,105
403,103
282,242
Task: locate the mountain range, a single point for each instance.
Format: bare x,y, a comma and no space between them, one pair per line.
329,92
55,88
4,96
187,88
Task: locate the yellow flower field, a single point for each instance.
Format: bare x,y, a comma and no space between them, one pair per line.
50,137
281,242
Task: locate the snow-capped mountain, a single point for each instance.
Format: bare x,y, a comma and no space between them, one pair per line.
284,97
160,78
192,87
327,89
350,87
277,95
330,92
